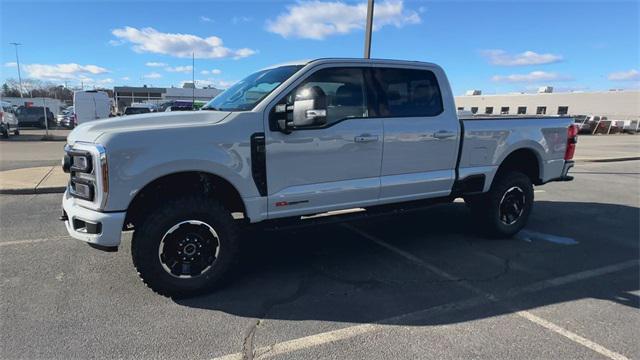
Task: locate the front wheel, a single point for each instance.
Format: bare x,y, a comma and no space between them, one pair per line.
185,247
505,209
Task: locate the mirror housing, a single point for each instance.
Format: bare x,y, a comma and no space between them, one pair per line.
309,107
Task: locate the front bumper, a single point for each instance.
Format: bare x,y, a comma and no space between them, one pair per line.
94,227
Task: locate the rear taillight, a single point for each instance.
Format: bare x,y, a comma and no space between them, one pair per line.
572,139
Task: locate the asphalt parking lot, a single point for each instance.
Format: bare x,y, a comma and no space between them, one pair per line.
422,285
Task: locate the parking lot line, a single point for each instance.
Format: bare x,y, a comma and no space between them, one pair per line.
30,241
524,314
531,236
302,343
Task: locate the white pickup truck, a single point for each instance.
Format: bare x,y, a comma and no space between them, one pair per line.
296,140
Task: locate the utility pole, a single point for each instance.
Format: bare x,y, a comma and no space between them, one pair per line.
368,30
193,79
15,44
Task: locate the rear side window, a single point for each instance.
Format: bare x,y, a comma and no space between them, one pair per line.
406,92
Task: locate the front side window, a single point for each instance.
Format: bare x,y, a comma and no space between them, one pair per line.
248,92
332,94
406,92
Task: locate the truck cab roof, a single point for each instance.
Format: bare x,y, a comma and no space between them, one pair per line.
350,60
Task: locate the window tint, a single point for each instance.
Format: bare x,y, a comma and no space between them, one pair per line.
406,92
342,90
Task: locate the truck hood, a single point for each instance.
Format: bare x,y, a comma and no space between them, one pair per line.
92,130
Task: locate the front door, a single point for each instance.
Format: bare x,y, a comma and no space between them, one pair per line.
332,166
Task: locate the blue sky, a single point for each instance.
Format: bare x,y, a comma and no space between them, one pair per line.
496,46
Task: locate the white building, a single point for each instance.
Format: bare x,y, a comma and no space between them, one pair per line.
616,105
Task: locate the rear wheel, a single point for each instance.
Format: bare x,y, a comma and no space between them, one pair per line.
186,247
505,209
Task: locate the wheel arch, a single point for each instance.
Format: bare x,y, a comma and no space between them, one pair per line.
183,183
525,160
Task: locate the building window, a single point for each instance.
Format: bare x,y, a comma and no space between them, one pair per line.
522,110
474,110
504,110
541,110
488,110
460,108
563,110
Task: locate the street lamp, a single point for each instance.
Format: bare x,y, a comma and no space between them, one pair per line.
368,30
15,44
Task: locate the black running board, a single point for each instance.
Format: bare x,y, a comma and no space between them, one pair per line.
349,215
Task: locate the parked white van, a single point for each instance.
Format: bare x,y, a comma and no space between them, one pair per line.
91,105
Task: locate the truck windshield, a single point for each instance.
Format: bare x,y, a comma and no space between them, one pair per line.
246,93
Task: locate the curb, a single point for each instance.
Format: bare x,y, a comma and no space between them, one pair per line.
627,158
44,190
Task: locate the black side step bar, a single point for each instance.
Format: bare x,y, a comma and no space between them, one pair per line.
348,215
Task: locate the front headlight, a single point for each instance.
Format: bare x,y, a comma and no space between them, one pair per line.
87,164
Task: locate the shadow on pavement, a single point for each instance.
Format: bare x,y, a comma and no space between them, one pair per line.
331,273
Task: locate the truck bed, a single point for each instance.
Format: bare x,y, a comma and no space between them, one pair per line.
487,140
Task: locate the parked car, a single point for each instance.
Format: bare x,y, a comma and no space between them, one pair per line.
8,120
306,141
136,110
67,118
35,116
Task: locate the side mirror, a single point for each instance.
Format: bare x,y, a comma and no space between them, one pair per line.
310,107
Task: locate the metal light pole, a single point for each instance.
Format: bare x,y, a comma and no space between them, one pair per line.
193,79
15,44
368,30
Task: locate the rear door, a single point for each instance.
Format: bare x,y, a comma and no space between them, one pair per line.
333,166
421,132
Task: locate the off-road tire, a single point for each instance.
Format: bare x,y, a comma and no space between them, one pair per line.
486,208
148,235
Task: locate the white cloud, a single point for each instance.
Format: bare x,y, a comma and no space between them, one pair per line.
179,45
125,78
62,71
502,58
153,75
241,19
211,72
11,64
181,69
115,42
105,81
155,64
320,19
205,19
630,75
533,76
